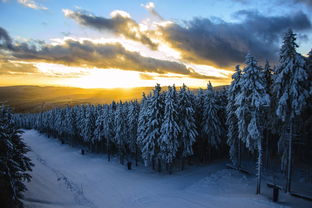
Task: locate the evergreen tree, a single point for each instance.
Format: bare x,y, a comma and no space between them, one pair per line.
211,122
99,125
120,130
154,115
142,124
81,120
271,122
14,164
109,127
187,123
291,94
231,120
251,103
169,137
132,123
200,144
89,125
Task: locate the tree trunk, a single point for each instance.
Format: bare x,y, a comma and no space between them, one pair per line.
159,165
121,155
267,149
108,150
239,154
90,146
259,166
289,171
103,145
153,163
136,156
170,168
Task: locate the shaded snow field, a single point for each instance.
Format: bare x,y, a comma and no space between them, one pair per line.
62,177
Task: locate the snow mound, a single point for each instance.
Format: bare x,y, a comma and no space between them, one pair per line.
223,181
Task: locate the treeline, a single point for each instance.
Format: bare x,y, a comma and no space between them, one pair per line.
264,109
14,164
166,129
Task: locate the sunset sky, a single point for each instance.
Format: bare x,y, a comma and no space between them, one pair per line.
123,43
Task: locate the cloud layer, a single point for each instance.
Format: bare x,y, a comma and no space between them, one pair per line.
90,54
120,23
11,68
224,44
204,40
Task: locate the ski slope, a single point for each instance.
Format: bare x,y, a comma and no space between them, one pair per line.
63,178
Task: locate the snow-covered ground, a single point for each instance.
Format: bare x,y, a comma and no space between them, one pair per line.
62,177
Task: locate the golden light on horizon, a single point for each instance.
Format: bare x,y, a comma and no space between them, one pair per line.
61,75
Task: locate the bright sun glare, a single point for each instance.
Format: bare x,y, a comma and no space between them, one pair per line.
115,78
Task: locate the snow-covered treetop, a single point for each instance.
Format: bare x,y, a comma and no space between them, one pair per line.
289,46
237,73
290,75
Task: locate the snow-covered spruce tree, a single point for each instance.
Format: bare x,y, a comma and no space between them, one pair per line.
109,133
221,101
187,123
14,164
290,93
169,136
132,123
270,123
71,128
120,130
142,123
99,127
251,103
231,119
212,130
59,123
307,115
200,144
154,115
81,114
89,126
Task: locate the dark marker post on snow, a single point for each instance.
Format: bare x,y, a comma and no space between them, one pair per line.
129,165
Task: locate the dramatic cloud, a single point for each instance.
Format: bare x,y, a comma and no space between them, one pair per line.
224,44
207,41
90,54
120,23
32,4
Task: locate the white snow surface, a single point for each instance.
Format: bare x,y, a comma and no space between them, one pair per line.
63,178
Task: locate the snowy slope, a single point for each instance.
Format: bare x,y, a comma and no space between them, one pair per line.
64,178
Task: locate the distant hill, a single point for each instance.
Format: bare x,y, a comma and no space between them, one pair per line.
25,99
31,99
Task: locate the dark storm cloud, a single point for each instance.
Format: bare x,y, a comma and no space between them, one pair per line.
119,24
225,44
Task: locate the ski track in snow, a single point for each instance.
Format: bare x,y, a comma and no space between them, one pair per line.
62,178
72,187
